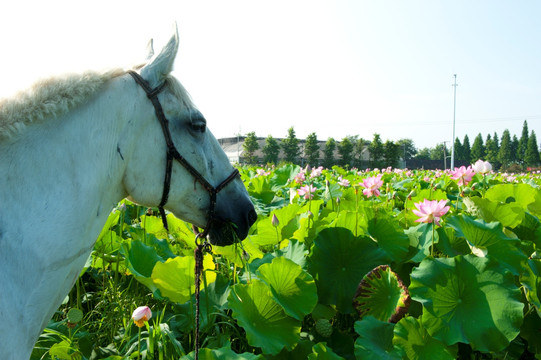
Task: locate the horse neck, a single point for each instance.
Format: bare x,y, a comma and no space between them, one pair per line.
68,163
58,183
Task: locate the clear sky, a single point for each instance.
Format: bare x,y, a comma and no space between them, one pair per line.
336,68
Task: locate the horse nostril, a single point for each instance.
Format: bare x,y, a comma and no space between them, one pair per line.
252,216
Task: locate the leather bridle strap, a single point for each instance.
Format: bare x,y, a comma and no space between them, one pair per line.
172,153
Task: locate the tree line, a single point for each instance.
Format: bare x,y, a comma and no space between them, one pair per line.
508,153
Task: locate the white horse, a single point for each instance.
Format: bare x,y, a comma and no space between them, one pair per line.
70,149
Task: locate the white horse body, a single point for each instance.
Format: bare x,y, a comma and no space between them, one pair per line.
60,178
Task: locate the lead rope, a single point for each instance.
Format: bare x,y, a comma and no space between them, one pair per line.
198,255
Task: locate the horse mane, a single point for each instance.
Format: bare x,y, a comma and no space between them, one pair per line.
50,98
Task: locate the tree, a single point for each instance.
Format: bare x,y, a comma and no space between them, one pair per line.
531,156
250,146
311,150
477,149
514,149
271,150
504,154
466,149
522,143
290,145
376,152
391,154
492,149
328,153
423,154
406,149
459,151
345,149
360,145
440,152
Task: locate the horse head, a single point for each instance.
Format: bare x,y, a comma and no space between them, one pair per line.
204,188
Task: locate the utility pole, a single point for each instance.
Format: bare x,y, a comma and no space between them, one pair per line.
454,117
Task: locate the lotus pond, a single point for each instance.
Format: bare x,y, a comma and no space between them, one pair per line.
341,264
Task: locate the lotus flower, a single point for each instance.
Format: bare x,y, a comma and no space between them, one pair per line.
463,175
140,315
306,191
343,182
482,167
372,184
431,211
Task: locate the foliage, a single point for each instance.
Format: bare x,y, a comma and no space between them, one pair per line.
271,150
311,150
328,153
376,150
323,279
290,146
345,149
250,146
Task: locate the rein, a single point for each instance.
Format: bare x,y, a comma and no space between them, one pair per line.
173,154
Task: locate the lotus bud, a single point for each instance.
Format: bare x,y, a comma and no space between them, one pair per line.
140,315
338,200
275,222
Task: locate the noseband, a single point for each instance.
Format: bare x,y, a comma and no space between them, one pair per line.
172,153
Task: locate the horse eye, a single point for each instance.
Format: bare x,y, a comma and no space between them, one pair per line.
200,127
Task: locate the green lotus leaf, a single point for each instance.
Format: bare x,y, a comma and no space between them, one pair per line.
292,287
339,261
267,234
176,280
321,351
530,332
468,299
140,259
389,236
382,294
489,239
531,280
414,340
420,238
266,324
375,341
239,255
223,353
524,195
510,215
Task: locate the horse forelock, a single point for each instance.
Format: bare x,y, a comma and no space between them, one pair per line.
179,92
50,98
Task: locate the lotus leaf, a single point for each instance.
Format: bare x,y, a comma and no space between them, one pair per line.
375,341
489,239
266,324
339,261
412,338
382,294
292,287
223,353
468,299
389,236
176,280
322,352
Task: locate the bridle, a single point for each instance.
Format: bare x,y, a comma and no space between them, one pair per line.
172,153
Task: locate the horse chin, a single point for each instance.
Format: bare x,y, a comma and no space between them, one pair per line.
224,233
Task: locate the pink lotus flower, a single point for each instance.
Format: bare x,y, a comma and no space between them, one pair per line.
307,191
140,315
482,167
430,211
261,172
463,175
372,184
343,182
316,172
300,177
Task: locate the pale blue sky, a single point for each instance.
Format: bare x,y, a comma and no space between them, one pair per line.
336,68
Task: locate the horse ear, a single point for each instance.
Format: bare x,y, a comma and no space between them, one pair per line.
161,65
150,49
